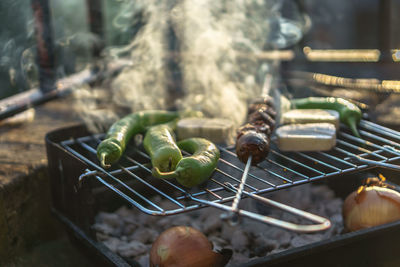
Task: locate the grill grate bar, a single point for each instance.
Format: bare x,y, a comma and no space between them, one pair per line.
381,139
154,188
281,170
280,176
271,172
319,161
373,136
338,159
360,149
297,162
242,170
213,193
235,179
112,177
284,168
130,200
380,129
349,154
149,171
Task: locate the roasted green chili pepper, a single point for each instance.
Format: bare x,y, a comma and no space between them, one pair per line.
159,143
113,146
195,169
349,113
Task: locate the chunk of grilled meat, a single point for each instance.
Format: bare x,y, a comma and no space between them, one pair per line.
254,143
262,115
257,126
268,109
266,100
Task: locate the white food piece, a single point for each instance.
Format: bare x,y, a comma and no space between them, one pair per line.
311,116
306,137
216,130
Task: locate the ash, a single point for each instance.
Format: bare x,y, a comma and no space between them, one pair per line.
130,233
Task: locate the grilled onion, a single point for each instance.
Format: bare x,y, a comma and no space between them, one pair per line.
183,246
371,205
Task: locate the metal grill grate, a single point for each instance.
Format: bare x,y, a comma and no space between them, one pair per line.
131,178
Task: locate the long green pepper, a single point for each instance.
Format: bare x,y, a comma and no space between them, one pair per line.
113,146
349,113
159,143
195,169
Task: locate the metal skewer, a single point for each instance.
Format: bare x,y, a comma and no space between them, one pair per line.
235,204
239,192
321,222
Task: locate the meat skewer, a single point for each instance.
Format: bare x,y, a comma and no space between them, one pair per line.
252,144
254,137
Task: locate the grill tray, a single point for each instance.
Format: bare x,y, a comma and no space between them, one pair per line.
280,170
76,209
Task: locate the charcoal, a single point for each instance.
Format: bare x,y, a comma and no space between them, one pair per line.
111,219
263,245
238,258
302,240
196,224
219,243
144,260
129,228
132,249
334,207
144,235
106,229
283,237
130,219
113,243
211,224
227,231
181,219
130,232
124,212
102,237
239,240
322,192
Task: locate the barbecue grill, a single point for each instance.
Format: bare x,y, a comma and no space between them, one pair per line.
78,181
81,187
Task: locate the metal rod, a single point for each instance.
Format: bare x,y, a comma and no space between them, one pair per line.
235,204
15,104
45,46
95,20
238,195
376,163
323,223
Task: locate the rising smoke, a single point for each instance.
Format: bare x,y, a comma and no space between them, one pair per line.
209,42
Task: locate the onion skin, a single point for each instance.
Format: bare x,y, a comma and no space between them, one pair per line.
184,246
371,206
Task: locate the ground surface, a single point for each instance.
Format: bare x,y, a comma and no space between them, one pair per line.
29,234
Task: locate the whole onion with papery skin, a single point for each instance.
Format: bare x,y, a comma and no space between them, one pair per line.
183,246
371,206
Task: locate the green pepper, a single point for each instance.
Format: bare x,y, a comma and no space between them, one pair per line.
349,113
113,146
159,143
195,169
